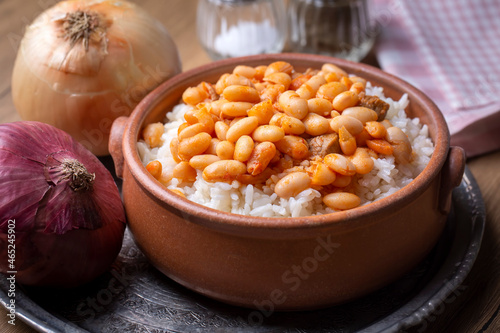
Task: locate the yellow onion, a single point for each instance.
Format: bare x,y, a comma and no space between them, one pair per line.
82,64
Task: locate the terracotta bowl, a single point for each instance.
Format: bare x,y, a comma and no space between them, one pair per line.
285,263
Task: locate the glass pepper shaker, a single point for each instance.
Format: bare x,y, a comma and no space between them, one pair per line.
339,28
233,28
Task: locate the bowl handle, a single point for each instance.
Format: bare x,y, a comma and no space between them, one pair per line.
451,176
115,144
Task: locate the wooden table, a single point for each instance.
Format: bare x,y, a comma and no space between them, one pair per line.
477,307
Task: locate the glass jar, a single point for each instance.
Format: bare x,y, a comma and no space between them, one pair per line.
339,28
233,28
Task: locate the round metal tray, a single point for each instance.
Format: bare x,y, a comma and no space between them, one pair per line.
134,297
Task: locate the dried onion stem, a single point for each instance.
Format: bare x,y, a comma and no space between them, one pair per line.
79,178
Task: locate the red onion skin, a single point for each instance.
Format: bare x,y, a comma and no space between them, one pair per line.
63,237
67,260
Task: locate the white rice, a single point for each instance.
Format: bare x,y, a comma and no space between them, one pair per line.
385,178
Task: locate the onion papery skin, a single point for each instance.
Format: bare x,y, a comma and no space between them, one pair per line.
63,237
82,91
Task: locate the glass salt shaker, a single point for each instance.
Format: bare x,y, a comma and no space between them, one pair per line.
233,28
339,28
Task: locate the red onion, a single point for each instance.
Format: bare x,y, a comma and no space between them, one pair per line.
61,204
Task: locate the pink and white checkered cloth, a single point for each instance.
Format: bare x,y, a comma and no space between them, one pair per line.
449,49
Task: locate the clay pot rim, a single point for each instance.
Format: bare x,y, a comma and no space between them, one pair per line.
265,226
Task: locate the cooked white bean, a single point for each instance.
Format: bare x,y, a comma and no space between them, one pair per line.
200,162
239,93
269,133
345,100
225,150
227,80
357,79
292,184
194,95
353,125
174,149
221,130
292,125
386,123
357,87
331,68
311,86
375,129
278,66
212,147
320,106
333,77
293,105
185,172
246,71
279,78
330,90
361,113
243,148
362,161
340,164
155,169
341,200
334,114
260,71
272,92
233,121
178,192
224,171
263,111
322,175
236,109
342,180
294,146
191,130
152,134
346,81
215,107
315,124
195,145
244,126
